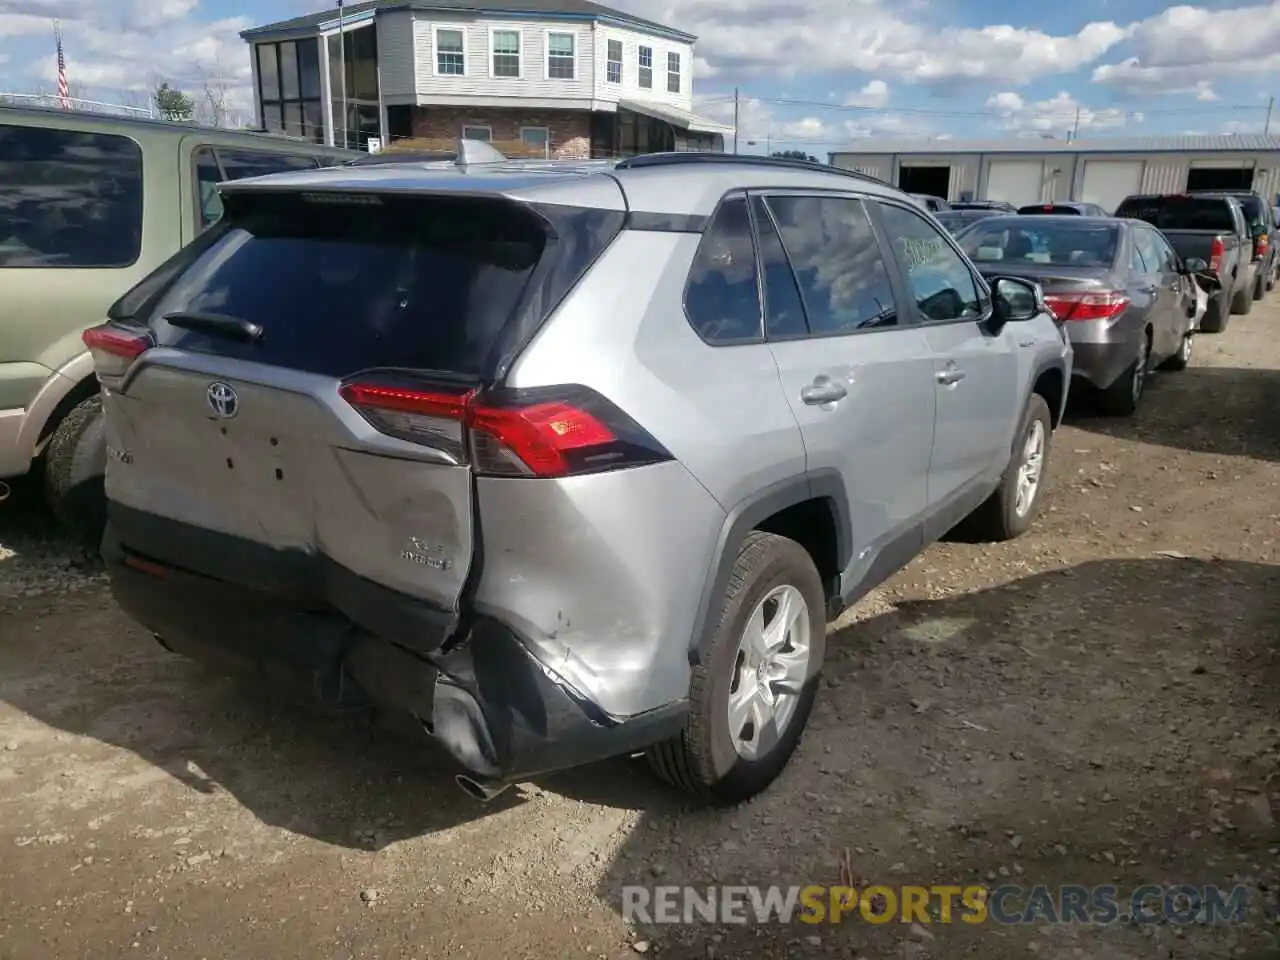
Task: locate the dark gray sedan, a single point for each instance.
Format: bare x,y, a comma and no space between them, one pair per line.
1125,298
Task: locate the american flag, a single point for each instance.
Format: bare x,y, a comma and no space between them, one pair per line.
64,92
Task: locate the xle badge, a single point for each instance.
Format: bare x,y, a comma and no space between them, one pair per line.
425,554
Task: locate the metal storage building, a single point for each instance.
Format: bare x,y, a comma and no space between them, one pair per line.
1026,170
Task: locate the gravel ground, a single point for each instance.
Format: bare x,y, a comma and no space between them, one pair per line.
1094,703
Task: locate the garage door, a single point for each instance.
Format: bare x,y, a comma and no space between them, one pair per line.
1015,181
1107,182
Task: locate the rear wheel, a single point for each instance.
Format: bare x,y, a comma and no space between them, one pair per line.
1215,314
1012,508
75,462
752,693
1182,359
1259,287
1242,302
1121,399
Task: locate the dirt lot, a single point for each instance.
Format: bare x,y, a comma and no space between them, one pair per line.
1095,703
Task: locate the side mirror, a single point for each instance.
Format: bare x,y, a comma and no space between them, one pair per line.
1194,265
1014,299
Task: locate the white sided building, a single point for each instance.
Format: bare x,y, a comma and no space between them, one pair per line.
1025,171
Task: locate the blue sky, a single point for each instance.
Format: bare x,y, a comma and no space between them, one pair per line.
813,74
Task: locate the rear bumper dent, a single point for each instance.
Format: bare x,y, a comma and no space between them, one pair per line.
503,715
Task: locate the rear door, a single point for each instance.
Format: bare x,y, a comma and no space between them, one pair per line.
1174,294
975,368
250,435
857,373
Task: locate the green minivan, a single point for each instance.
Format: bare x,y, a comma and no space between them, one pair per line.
89,205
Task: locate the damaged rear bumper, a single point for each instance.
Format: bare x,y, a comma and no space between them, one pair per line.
502,714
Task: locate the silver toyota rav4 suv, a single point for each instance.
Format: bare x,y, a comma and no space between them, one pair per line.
562,461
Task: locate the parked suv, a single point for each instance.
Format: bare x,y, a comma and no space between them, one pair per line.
90,204
563,460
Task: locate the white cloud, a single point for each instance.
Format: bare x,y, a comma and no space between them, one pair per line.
761,122
874,94
120,50
1057,115
1183,48
872,36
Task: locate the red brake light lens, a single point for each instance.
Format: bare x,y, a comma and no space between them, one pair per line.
114,348
116,342
1216,250
544,432
1096,305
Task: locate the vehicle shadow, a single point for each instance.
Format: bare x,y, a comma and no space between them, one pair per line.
1236,413
1088,725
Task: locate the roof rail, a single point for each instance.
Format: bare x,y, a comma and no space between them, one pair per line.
745,159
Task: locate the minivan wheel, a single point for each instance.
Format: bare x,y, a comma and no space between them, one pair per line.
1013,507
75,462
753,690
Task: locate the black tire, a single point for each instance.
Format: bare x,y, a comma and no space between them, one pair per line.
1121,399
703,760
1182,359
1216,314
1242,302
1259,286
75,462
997,519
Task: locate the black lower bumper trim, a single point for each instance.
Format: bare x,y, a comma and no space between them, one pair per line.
307,581
500,713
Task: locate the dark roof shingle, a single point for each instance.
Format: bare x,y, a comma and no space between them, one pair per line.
492,8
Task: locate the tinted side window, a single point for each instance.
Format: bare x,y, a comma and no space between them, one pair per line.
69,199
937,276
1152,255
238,164
1168,259
1136,261
837,261
722,299
783,309
207,178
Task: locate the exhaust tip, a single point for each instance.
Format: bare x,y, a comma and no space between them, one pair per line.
479,791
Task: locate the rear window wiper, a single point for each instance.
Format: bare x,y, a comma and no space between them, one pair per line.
218,324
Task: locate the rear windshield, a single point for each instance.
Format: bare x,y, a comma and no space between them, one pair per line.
425,284
1253,209
1006,240
1180,213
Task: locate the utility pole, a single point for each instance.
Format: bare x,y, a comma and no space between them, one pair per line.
735,119
342,60
1075,127
1266,127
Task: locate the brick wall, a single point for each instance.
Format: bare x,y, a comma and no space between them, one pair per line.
570,131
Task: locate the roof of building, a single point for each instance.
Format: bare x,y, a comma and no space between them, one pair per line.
494,8
1252,143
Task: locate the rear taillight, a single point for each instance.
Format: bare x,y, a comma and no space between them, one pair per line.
1217,250
541,432
114,348
1096,305
1260,246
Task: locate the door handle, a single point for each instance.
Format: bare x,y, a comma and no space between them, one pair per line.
949,377
822,391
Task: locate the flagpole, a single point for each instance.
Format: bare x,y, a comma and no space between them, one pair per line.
342,60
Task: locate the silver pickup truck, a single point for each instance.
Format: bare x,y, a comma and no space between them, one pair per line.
1209,228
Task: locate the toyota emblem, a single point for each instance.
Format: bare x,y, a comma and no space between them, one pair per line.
222,400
